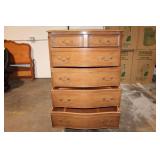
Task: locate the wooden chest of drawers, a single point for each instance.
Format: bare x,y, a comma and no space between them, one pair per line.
85,69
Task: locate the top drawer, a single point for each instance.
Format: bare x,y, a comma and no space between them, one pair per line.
66,41
84,40
103,40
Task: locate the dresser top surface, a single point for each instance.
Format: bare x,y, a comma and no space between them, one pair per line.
85,31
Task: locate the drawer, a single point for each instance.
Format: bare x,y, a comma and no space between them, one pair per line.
88,120
104,40
66,41
85,57
85,98
85,77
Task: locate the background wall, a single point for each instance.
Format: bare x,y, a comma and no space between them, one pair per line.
40,52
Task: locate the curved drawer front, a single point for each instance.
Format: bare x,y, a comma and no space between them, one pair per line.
85,57
85,77
66,41
88,98
86,120
104,40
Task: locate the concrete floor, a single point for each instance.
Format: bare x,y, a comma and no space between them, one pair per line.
28,106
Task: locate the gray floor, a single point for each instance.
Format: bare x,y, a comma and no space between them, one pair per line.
28,106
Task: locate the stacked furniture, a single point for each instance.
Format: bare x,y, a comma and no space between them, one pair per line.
85,69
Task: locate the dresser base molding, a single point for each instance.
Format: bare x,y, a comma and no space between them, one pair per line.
86,120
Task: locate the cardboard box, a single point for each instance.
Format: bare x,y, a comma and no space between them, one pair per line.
137,65
143,66
129,36
126,65
146,37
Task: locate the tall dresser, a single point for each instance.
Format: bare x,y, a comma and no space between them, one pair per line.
85,69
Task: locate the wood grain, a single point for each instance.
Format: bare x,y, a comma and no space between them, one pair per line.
85,73
20,53
85,57
84,32
86,98
103,40
67,41
85,77
85,120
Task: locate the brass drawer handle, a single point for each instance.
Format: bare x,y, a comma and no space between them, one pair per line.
108,99
105,99
106,58
66,100
107,79
104,41
63,59
65,78
68,42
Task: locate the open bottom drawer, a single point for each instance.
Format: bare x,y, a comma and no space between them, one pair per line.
86,118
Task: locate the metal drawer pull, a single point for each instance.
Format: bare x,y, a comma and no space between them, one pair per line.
67,42
105,99
63,59
105,41
107,79
106,58
64,101
108,99
64,78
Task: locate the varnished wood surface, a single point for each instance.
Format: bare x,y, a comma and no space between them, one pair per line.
86,98
103,40
85,31
67,41
85,57
85,77
21,54
85,120
85,39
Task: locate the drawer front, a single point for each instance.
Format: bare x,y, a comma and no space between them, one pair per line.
88,98
85,57
67,41
85,120
103,40
85,77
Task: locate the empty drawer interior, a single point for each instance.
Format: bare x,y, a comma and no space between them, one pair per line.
88,110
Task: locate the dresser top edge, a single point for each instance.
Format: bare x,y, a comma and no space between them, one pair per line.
88,31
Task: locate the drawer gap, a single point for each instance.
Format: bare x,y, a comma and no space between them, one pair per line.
83,67
60,109
87,110
84,88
